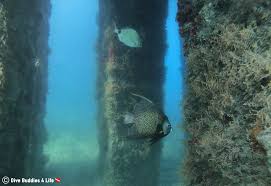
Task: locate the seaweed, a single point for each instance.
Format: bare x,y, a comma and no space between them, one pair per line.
227,101
23,87
123,70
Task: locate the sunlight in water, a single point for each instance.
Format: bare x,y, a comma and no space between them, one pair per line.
71,106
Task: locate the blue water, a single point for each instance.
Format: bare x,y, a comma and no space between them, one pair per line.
72,65
71,105
174,83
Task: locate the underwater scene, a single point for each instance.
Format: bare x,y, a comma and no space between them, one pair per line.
135,92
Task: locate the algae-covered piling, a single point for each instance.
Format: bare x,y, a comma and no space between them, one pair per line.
227,107
124,69
23,85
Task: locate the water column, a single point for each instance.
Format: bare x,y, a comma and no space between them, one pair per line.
123,70
71,147
23,86
173,89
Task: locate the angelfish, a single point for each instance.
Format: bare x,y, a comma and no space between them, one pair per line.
146,121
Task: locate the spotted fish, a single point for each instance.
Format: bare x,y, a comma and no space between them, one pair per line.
146,121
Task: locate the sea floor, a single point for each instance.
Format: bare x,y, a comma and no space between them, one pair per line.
72,157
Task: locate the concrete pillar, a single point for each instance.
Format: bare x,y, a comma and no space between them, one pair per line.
227,108
23,85
122,70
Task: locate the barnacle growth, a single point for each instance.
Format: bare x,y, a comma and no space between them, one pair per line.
265,139
127,67
2,77
227,105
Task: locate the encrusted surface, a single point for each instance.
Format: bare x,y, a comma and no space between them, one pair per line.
228,99
23,85
122,70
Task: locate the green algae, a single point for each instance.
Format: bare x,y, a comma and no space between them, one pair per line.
228,96
22,89
123,70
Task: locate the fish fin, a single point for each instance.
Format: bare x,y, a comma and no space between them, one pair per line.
116,30
123,130
143,106
142,97
129,118
128,130
132,133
